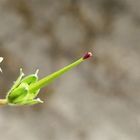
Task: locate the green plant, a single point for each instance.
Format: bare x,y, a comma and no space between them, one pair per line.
25,89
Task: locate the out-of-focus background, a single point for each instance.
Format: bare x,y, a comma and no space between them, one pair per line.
98,100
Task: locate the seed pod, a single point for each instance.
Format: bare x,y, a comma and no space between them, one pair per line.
25,90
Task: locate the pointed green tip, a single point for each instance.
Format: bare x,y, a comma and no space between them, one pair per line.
21,72
37,71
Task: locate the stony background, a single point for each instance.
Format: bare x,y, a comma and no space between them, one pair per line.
100,99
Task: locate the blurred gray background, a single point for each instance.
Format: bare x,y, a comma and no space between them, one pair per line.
98,100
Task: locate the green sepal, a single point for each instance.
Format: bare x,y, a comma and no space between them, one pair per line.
19,93
22,89
30,79
16,83
30,102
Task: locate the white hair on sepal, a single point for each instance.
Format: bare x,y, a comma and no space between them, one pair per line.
1,59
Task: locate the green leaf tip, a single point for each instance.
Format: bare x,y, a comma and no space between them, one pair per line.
25,89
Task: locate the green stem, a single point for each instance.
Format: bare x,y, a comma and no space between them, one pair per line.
45,81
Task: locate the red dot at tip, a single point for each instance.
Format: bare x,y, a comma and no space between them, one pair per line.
87,55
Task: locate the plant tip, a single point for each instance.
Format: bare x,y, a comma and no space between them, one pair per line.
87,55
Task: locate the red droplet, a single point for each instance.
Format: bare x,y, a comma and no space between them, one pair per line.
87,55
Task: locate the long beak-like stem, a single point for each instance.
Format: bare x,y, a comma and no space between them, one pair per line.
45,81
